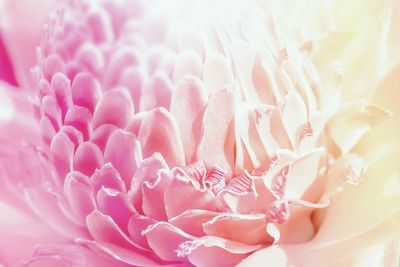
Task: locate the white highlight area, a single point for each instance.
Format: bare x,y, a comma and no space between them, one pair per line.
7,109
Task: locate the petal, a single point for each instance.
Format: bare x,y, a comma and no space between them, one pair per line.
104,229
216,145
85,91
101,134
62,151
147,172
51,109
136,225
188,102
61,86
302,174
371,247
214,251
88,157
133,79
115,204
159,132
216,73
124,153
191,221
372,198
190,198
354,120
294,114
107,177
165,239
251,152
115,107
79,194
156,92
81,119
153,193
247,229
124,57
187,62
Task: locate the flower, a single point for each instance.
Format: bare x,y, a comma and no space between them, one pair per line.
210,133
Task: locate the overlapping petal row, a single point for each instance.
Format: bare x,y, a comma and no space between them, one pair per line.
182,139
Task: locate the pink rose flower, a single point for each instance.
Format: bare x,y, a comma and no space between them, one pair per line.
190,133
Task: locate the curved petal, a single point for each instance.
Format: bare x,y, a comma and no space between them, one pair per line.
124,153
216,144
104,229
188,101
159,132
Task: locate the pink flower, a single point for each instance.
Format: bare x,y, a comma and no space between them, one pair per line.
196,133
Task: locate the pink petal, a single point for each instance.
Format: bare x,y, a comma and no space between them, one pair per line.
246,194
187,62
136,225
73,134
79,193
294,114
133,79
165,239
191,221
115,107
85,91
104,229
53,64
156,92
61,86
51,109
101,134
91,57
214,251
247,229
62,151
125,160
217,146
88,157
303,173
107,177
153,192
188,102
115,204
81,119
47,130
159,132
123,58
250,150
147,172
190,198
